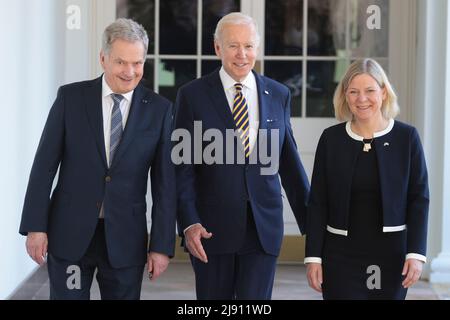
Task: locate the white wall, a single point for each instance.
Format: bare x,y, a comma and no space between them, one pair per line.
432,117
32,68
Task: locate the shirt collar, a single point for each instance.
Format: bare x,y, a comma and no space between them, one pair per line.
228,82
348,128
106,90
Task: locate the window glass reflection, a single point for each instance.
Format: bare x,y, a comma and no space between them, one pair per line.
209,66
173,74
149,71
321,82
213,11
178,27
284,27
290,74
142,11
326,27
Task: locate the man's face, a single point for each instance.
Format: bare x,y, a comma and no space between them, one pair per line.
237,49
124,65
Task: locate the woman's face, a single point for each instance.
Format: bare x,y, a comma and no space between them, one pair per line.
365,97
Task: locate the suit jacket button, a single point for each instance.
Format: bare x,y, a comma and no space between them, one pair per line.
108,179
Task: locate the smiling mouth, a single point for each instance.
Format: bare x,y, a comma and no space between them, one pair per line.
240,65
126,80
363,108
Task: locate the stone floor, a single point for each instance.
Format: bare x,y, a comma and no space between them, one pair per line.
177,283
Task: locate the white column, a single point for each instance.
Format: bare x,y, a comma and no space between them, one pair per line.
440,266
432,117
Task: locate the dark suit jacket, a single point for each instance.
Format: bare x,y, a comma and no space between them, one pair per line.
403,182
73,140
217,195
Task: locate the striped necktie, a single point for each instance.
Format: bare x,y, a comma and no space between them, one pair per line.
240,116
116,126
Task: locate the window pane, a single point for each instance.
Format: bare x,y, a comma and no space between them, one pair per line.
321,82
365,42
290,74
149,71
142,11
178,27
326,27
209,66
173,74
284,27
213,11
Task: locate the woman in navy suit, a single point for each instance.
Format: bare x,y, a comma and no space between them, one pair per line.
368,209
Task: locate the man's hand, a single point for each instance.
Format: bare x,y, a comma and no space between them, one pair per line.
36,245
156,264
193,237
412,269
314,274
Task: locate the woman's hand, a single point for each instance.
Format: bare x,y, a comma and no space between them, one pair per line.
314,274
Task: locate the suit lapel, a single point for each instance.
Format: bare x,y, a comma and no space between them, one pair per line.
137,104
264,101
219,99
95,115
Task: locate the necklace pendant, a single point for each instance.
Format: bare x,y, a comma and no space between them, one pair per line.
367,147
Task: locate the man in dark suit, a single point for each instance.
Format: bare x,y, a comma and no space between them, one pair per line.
104,135
230,212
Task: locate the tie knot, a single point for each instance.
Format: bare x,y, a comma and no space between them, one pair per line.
117,97
238,86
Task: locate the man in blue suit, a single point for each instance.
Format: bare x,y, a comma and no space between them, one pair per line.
230,213
104,135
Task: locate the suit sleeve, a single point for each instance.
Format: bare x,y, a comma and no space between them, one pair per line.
318,203
418,199
185,172
162,235
48,156
293,176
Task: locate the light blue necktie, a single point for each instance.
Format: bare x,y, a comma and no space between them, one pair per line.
116,126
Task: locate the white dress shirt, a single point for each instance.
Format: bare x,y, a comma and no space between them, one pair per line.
107,106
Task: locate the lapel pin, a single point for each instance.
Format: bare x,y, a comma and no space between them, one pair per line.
270,120
144,101
386,144
266,92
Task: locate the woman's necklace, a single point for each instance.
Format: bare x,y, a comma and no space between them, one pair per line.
367,145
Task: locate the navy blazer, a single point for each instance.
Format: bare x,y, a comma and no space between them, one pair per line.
217,195
403,182
73,140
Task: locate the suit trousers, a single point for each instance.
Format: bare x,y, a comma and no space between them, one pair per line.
72,280
245,275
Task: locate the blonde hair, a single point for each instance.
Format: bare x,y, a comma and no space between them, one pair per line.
389,109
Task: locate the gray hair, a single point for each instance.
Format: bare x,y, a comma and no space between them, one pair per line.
235,18
389,109
124,29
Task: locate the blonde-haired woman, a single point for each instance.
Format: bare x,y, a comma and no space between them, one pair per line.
368,210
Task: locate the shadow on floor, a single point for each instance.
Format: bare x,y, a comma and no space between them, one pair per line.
177,283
